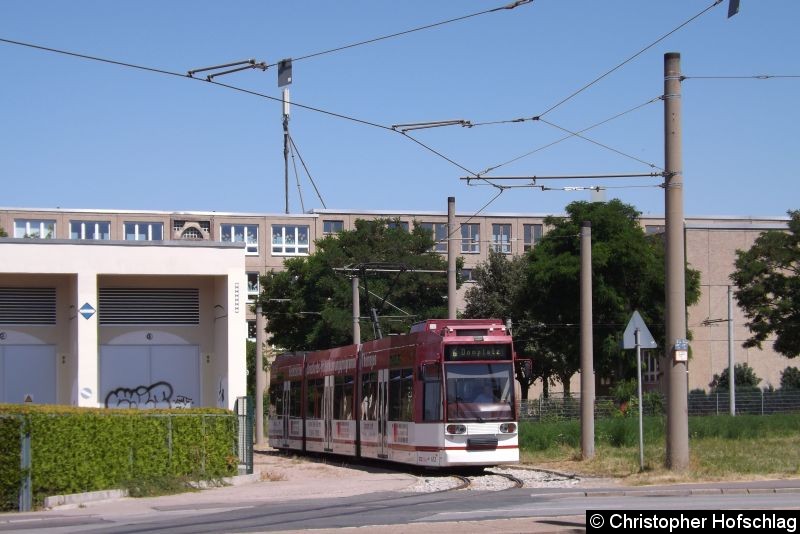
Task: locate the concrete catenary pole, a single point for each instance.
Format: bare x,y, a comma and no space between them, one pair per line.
677,457
731,366
286,146
356,313
587,354
451,258
261,374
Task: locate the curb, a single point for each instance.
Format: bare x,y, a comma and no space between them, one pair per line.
665,492
76,499
81,498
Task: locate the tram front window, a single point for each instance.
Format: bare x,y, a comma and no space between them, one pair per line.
479,391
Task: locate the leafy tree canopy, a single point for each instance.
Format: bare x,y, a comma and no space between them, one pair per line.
790,378
768,280
627,275
308,305
743,375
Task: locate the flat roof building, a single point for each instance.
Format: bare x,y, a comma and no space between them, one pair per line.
207,266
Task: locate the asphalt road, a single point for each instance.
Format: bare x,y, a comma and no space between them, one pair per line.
519,510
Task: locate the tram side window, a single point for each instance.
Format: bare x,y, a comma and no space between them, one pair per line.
314,390
401,401
295,398
276,400
433,401
343,397
369,396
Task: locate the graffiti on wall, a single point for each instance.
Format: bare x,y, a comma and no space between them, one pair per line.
156,395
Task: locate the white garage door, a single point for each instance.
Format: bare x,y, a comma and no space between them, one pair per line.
28,372
153,376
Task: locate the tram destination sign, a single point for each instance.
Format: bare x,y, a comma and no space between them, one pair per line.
464,353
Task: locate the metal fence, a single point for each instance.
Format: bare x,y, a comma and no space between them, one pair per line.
757,402
244,436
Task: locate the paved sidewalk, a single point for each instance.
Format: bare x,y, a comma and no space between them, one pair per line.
280,478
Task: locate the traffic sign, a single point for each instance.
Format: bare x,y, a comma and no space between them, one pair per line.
646,340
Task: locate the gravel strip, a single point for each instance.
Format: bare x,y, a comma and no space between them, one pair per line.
488,482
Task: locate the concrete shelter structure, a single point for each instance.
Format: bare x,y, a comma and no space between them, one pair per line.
122,323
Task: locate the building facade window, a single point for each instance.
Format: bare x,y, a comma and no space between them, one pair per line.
651,229
89,230
191,230
332,227
649,367
252,286
532,234
251,330
403,225
501,238
35,229
288,240
241,233
467,275
471,238
143,231
439,233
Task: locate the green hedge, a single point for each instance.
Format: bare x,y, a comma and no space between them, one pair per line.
84,449
10,472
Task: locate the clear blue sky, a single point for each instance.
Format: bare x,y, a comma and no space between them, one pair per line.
83,134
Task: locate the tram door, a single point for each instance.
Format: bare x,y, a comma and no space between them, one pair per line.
327,414
286,398
383,413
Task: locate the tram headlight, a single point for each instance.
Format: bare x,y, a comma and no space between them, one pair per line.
456,429
508,428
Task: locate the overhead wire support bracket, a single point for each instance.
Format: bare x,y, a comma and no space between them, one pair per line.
403,128
248,64
533,178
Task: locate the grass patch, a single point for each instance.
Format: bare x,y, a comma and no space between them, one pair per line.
156,486
720,447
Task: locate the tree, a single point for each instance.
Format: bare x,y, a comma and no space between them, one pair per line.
767,277
790,378
627,275
496,282
308,305
743,375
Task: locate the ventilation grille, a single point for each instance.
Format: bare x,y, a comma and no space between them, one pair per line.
27,305
149,306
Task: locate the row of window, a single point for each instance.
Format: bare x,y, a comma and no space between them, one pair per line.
470,237
287,240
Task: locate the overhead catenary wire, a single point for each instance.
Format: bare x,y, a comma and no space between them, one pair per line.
512,5
297,179
562,139
612,149
752,77
233,88
629,59
311,178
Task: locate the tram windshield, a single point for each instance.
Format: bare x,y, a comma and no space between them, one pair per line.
480,391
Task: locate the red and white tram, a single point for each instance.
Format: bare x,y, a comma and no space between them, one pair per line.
442,395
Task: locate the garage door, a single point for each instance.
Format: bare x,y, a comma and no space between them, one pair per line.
28,373
153,376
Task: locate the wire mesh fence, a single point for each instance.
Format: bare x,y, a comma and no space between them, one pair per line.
756,402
